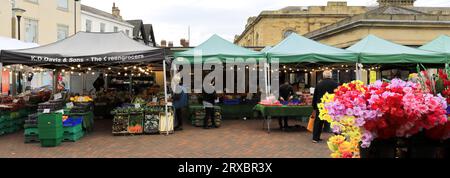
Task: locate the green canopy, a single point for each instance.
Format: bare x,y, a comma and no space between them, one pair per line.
440,44
297,49
219,48
374,50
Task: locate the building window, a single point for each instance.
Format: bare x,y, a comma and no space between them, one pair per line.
88,26
128,32
287,33
31,31
102,27
116,29
63,32
63,4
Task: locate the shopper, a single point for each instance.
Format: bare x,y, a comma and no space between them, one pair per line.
327,85
286,94
208,103
180,102
99,83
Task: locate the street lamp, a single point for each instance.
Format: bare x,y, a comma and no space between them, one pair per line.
19,12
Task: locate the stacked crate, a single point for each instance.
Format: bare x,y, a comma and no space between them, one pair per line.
11,121
31,129
50,129
73,130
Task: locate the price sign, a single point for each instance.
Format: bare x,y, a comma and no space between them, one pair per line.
137,105
46,111
155,99
26,98
69,105
15,101
58,96
60,111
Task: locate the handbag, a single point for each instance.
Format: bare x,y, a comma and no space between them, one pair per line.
312,119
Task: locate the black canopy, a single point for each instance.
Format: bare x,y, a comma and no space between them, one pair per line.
94,49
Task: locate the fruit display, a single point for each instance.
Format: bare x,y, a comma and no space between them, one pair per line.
151,119
81,99
53,105
120,124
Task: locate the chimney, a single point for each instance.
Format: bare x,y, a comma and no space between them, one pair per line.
170,44
116,11
183,42
163,43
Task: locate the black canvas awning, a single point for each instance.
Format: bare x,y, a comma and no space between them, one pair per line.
95,49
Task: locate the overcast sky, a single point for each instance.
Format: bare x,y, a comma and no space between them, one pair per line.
171,18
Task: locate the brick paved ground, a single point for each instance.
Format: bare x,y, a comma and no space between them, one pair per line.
236,139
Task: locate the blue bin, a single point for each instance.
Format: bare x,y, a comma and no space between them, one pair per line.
73,121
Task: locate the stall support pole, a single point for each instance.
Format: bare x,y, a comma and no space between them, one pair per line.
165,97
1,78
358,71
13,81
55,81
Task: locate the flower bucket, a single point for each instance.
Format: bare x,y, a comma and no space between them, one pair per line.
380,149
448,110
420,146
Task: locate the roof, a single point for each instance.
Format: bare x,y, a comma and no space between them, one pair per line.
394,10
148,28
82,47
9,43
440,44
137,26
296,48
373,49
101,13
216,46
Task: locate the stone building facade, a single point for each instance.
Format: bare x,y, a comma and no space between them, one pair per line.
341,25
270,27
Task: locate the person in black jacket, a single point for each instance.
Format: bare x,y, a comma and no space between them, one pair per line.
208,103
286,94
327,85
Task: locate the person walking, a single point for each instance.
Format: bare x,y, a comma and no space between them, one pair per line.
286,94
327,85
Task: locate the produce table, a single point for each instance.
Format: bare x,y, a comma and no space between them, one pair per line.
228,111
267,112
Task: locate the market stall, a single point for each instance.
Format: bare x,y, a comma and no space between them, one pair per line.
84,54
217,47
440,45
301,60
382,59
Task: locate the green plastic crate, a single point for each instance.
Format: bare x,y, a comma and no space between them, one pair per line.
51,142
73,130
53,120
8,123
9,130
50,133
31,132
2,125
32,139
73,137
20,121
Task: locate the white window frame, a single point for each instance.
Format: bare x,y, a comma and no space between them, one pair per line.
102,27
61,7
90,25
26,20
61,26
